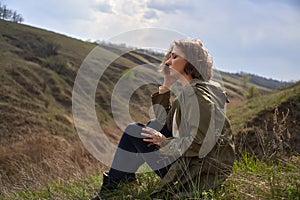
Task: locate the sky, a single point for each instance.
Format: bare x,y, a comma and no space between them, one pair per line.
260,37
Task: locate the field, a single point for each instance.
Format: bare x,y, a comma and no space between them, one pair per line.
42,157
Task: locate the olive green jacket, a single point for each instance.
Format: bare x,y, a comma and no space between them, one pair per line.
203,148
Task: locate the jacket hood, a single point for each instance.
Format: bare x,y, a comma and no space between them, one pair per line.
214,89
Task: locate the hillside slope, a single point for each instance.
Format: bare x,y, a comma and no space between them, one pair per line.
268,126
38,141
37,72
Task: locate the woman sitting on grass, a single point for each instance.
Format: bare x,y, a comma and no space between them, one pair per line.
189,144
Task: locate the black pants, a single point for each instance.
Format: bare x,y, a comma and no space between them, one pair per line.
132,152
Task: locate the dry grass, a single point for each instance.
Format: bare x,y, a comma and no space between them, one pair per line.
272,134
36,160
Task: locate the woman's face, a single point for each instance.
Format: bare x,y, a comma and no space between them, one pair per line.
176,61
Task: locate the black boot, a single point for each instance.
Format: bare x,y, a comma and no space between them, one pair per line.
110,184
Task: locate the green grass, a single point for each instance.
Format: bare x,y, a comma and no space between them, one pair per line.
85,189
256,179
251,179
61,190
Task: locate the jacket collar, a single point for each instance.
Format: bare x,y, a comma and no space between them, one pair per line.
195,81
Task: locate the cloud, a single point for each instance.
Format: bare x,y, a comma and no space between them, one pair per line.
243,34
150,15
237,33
103,6
168,6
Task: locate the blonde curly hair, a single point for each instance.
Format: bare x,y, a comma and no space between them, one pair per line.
199,61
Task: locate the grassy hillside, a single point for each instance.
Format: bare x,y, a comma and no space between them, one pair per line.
268,126
260,104
239,90
37,72
39,143
254,176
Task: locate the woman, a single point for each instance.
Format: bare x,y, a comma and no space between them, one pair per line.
189,144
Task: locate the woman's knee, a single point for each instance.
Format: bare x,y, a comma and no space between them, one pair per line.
153,123
134,129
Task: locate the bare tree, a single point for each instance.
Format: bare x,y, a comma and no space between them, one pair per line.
1,10
4,12
14,16
245,79
10,15
17,17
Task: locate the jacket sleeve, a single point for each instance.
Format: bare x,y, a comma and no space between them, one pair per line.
195,121
161,106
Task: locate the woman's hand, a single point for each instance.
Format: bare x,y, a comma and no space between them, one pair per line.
152,136
169,80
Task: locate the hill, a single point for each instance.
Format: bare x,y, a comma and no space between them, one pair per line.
258,80
268,126
241,88
38,139
37,72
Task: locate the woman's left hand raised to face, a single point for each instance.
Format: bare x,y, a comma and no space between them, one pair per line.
152,136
